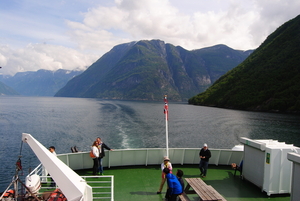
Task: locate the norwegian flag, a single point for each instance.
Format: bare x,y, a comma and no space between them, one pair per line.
166,109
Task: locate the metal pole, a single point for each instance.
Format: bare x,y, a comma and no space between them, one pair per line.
167,136
166,111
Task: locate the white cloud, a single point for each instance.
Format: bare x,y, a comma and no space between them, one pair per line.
240,25
77,30
272,14
42,56
3,60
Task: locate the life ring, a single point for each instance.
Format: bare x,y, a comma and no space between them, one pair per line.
57,195
9,193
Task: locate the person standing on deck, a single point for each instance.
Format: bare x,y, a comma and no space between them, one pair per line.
179,176
204,158
95,151
52,150
101,147
174,185
165,164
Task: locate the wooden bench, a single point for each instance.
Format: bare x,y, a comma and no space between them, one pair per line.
204,191
183,197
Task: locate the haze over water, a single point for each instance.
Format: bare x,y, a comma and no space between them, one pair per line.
66,122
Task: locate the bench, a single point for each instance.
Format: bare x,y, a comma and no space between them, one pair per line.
183,197
204,191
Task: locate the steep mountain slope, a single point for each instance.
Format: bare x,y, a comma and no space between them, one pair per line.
268,80
146,70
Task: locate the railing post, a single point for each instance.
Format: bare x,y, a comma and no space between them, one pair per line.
147,156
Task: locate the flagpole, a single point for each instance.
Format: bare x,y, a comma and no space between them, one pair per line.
167,138
166,111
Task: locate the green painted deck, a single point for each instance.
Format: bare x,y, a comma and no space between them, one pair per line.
136,183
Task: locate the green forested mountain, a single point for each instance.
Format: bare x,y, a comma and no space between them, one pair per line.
147,70
6,90
268,80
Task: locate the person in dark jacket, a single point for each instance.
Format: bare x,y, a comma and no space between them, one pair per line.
204,158
179,176
101,148
174,186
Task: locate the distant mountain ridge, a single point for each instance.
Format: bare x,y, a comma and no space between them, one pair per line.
147,70
7,91
268,80
39,83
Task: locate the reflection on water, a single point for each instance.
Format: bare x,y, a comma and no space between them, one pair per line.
66,122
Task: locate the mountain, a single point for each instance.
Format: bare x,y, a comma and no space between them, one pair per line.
6,90
268,80
147,70
39,83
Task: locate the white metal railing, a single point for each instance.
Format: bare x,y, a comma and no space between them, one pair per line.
151,156
131,157
103,187
41,171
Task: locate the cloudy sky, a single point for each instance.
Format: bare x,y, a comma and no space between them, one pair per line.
72,34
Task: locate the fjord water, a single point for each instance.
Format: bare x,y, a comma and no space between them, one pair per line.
67,122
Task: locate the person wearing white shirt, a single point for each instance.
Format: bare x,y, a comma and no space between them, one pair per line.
95,151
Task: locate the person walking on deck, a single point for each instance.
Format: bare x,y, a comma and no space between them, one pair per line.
204,155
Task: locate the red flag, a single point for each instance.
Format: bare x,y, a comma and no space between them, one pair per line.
166,109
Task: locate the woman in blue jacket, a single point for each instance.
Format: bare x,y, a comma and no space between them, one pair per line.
174,186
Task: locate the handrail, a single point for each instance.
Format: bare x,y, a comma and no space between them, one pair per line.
100,186
151,156
97,185
147,156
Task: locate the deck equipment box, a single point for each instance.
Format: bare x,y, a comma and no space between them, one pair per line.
266,164
295,159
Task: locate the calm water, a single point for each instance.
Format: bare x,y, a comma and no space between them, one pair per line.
66,122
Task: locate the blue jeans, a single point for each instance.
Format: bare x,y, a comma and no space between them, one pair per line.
203,167
100,165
